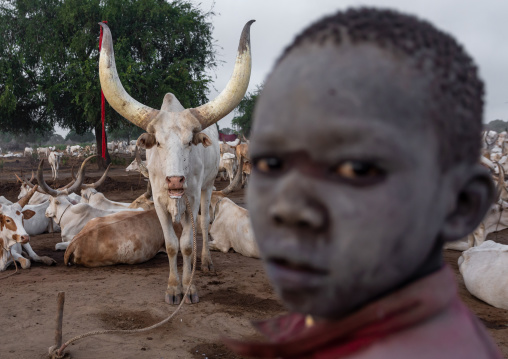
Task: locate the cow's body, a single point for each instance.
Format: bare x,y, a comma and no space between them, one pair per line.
485,272
4,200
28,151
122,238
39,223
231,228
54,162
43,151
230,164
98,200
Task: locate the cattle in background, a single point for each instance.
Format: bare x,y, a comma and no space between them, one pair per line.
485,272
39,197
182,155
229,163
54,163
246,170
13,237
28,151
43,151
231,227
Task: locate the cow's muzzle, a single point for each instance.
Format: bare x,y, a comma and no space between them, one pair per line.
175,186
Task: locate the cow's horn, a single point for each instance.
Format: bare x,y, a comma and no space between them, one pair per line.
230,97
77,185
26,198
99,182
118,98
42,184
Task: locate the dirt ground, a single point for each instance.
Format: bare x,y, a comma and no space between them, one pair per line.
125,297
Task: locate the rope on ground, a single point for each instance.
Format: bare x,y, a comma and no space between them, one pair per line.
57,353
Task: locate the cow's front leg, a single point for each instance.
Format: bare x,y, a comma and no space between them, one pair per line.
16,255
174,292
206,257
33,256
186,245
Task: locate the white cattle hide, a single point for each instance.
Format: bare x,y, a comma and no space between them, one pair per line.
231,228
485,272
54,162
98,200
28,151
229,163
39,223
72,218
4,200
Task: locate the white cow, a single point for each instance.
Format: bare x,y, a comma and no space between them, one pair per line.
39,223
5,201
42,151
54,162
28,151
231,227
485,272
39,197
230,164
182,155
14,240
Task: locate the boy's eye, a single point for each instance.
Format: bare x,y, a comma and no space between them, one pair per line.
268,164
358,170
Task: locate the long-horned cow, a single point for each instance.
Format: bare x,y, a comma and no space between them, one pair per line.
182,156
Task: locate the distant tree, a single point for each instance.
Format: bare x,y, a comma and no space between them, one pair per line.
243,121
160,47
76,137
497,125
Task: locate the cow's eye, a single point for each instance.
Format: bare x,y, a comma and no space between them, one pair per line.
190,143
158,144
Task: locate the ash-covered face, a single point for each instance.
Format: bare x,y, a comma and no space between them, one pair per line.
347,198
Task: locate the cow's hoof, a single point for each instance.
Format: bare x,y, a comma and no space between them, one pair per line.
48,261
173,295
207,267
25,263
192,297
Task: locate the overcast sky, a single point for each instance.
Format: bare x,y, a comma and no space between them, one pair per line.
479,25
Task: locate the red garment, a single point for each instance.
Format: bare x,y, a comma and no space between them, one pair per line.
425,319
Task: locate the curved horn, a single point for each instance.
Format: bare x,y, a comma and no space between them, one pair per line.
117,97
76,186
18,179
142,167
26,198
42,184
236,180
99,182
230,97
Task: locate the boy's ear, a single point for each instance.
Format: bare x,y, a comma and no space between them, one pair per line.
472,202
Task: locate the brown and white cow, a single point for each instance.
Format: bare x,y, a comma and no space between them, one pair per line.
13,237
121,238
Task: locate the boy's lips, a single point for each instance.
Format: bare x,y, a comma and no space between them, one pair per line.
296,275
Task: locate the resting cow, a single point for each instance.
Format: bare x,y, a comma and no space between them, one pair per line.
231,227
121,238
485,272
13,237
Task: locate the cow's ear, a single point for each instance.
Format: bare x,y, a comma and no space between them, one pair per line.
27,214
146,141
201,138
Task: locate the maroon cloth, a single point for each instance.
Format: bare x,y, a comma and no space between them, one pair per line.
227,138
426,319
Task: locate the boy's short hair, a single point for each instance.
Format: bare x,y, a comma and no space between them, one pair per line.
457,91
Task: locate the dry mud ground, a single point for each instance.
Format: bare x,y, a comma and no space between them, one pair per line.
125,297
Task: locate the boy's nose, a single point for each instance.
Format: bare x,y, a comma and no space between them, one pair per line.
284,212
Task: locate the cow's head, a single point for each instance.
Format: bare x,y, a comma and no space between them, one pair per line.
11,221
173,131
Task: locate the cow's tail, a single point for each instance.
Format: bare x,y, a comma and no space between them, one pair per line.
69,252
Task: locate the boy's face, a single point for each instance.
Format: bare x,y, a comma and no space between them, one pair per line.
346,196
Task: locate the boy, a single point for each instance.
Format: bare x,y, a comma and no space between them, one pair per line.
365,148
